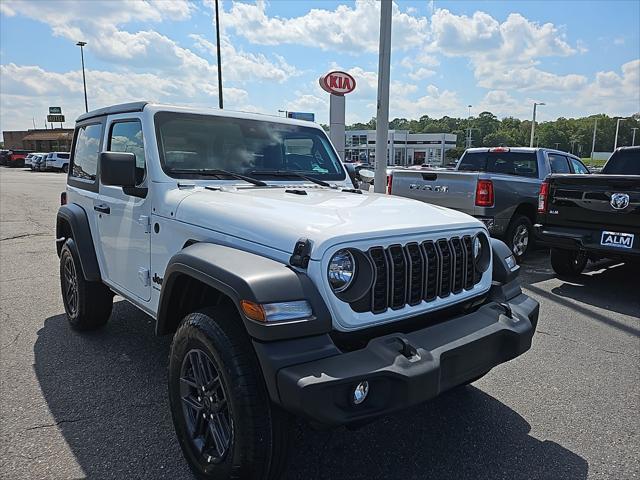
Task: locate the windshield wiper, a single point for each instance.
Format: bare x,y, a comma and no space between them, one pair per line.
216,172
291,173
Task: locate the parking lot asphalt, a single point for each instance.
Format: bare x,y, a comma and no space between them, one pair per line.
95,405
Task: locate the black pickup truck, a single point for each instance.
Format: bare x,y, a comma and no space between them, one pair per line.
589,217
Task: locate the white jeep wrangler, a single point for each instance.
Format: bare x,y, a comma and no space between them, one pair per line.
287,290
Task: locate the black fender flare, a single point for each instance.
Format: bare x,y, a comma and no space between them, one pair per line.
75,217
241,275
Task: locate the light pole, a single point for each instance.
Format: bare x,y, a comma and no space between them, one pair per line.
633,136
615,143
382,111
533,122
219,57
84,80
469,127
593,142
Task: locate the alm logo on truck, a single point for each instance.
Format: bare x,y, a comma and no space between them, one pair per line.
617,239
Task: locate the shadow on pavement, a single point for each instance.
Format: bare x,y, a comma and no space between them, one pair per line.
107,393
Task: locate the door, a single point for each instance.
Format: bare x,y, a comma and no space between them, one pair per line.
124,217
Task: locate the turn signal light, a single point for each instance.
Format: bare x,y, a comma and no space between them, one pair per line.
484,193
253,310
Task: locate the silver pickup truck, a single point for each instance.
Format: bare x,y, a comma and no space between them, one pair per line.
499,186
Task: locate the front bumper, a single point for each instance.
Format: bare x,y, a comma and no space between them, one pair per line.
585,239
440,357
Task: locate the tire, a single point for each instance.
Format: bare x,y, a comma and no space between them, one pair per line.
65,168
519,236
253,431
568,263
87,304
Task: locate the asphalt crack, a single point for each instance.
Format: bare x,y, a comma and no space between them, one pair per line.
25,235
49,425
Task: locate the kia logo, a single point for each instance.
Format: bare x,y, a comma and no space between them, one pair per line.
337,83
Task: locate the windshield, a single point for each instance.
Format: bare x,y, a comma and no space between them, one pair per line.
523,164
249,147
623,162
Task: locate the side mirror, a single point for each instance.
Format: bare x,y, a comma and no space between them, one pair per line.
118,168
351,171
367,176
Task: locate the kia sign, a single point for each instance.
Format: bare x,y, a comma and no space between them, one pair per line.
338,83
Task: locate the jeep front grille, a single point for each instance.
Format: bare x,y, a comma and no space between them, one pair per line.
415,272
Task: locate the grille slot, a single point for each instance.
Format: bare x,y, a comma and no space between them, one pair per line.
379,289
412,273
398,264
416,273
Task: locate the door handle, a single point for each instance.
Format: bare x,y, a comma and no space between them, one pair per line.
102,208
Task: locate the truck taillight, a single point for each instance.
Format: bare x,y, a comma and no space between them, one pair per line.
484,193
543,197
389,183
63,198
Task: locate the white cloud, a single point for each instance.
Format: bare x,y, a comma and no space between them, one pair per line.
29,90
504,55
344,29
241,66
421,73
434,103
611,92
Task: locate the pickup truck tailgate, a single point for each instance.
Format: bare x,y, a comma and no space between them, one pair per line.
449,189
586,200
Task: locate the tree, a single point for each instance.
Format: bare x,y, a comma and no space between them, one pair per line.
498,139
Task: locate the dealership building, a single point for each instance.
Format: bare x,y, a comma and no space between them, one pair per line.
403,148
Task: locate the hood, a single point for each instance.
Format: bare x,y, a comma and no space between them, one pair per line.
277,219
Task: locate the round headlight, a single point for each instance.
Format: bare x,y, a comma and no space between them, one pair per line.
477,248
342,270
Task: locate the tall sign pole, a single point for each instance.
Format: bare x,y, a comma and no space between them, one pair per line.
337,84
220,103
593,143
382,114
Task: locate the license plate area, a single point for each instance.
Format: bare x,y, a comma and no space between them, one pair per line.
617,239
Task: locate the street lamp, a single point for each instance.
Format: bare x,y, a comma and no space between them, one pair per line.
615,143
469,127
533,122
84,80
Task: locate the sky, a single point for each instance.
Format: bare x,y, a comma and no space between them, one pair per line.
580,58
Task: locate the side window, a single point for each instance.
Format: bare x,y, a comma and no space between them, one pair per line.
558,163
126,136
578,167
85,159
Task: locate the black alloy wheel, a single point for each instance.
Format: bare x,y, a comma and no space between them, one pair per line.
70,286
205,407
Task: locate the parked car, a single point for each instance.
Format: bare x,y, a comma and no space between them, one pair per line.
16,158
27,160
589,217
286,290
4,155
38,162
57,161
499,186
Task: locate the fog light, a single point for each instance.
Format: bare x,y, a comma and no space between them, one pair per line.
360,393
